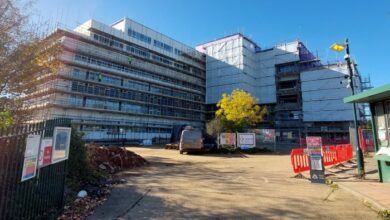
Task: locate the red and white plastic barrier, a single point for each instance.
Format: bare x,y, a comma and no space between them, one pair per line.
332,155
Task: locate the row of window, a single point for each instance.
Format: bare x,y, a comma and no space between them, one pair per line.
127,129
156,43
139,36
163,46
145,54
133,95
126,69
94,76
289,68
108,41
133,108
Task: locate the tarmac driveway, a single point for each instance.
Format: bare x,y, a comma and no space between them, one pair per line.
223,186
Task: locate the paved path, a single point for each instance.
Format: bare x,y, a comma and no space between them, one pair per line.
368,190
224,187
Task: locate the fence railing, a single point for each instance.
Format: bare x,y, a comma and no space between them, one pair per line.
40,197
332,155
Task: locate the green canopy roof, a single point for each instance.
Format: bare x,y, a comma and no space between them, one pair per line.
373,95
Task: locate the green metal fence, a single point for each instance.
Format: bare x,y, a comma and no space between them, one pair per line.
41,197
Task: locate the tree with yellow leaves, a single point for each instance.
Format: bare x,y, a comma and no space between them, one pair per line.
239,110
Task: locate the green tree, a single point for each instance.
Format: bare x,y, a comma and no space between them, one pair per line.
239,110
6,119
26,59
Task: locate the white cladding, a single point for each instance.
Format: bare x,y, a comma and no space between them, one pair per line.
226,68
121,28
322,94
235,63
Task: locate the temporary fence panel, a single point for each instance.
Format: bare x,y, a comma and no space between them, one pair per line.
332,155
299,160
40,197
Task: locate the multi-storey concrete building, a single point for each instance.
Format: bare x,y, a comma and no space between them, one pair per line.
127,81
303,95
124,81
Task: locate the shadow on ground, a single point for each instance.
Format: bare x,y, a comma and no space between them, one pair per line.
223,187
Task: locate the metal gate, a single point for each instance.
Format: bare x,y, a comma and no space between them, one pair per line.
41,197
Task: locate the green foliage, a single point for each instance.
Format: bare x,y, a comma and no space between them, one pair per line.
79,169
6,119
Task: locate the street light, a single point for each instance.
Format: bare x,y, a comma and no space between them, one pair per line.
359,155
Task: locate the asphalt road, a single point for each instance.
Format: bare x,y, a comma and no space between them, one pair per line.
222,186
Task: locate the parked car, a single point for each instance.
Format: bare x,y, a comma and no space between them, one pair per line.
191,140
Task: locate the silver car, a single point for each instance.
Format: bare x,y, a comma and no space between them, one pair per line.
191,140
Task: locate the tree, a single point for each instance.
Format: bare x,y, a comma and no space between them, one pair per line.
6,120
25,57
239,110
215,127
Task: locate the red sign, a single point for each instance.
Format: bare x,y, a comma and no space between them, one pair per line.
47,155
313,141
46,152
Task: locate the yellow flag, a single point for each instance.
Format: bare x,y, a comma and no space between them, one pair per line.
337,47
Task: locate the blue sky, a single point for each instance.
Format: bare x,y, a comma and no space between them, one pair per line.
316,23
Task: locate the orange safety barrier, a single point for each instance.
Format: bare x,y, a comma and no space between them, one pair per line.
333,154
329,155
299,160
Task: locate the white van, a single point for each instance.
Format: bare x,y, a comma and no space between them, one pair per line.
191,140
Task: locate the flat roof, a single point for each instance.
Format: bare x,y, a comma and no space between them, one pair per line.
373,95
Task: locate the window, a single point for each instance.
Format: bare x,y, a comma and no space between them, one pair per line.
139,36
138,51
77,73
101,104
178,52
162,60
163,46
290,68
130,70
381,125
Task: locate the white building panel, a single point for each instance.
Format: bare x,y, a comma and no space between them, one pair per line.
338,93
266,94
322,94
265,81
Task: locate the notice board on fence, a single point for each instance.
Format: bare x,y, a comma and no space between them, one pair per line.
31,157
314,149
227,139
246,140
266,136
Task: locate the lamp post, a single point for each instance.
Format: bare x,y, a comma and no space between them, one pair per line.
359,154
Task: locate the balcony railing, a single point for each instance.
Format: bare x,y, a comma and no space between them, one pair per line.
288,91
287,106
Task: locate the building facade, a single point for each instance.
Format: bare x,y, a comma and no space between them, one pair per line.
304,97
124,81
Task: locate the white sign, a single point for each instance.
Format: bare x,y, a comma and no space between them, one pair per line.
246,139
32,145
61,143
31,157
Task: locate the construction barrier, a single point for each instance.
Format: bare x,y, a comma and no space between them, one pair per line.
366,140
333,154
299,160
